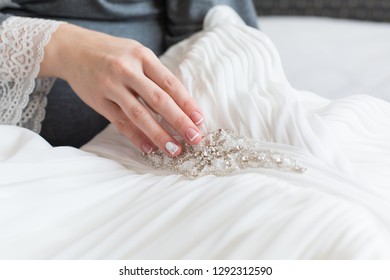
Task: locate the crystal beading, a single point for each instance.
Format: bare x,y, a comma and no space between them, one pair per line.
220,153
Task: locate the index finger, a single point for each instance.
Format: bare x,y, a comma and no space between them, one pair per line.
159,74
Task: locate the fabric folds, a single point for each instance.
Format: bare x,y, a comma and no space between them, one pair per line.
105,202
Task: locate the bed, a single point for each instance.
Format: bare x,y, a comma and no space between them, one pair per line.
327,109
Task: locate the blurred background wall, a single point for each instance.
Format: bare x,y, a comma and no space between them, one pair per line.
374,10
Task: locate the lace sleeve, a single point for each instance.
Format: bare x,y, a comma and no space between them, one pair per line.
22,95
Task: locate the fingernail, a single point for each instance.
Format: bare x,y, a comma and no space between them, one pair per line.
147,148
171,147
191,134
196,117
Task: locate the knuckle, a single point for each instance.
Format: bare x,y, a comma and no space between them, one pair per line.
158,98
170,84
180,122
187,104
140,51
98,102
119,66
116,61
137,113
159,138
113,59
121,124
126,128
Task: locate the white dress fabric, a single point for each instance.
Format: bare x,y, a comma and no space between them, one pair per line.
64,203
22,94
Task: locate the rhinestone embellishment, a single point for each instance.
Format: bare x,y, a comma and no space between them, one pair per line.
220,153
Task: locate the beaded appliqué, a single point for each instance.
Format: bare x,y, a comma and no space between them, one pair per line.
220,153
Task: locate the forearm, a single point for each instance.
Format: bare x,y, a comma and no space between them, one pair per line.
68,47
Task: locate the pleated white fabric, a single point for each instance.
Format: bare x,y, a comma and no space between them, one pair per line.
65,203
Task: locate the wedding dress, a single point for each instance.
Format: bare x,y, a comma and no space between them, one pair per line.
70,203
235,74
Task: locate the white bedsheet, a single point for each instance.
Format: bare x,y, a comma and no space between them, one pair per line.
68,203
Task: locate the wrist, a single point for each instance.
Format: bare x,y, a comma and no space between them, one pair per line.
61,51
48,66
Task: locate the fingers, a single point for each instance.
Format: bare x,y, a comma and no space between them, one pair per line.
170,84
136,117
163,104
163,93
118,118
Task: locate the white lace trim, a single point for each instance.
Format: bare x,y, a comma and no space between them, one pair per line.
22,96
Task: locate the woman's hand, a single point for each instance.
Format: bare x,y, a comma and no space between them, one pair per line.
110,74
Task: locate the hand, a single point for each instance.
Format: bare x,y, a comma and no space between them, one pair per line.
110,74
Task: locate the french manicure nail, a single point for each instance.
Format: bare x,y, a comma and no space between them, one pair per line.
191,134
171,147
147,148
196,117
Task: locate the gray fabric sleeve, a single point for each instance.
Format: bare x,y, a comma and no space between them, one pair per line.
115,10
3,17
184,18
